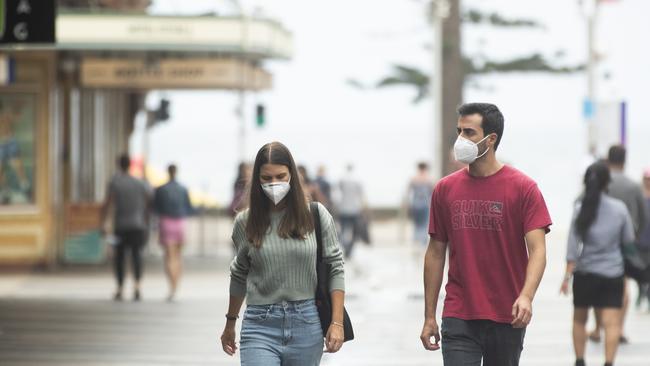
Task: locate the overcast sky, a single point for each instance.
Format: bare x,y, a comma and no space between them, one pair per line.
323,120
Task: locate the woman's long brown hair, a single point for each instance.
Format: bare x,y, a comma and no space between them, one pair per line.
297,221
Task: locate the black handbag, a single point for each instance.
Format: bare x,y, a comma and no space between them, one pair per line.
635,267
323,299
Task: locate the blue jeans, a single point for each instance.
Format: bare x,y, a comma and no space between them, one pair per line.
466,342
284,334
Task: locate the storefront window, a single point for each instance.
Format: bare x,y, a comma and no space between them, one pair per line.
17,148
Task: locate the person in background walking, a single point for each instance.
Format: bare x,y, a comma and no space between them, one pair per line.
625,189
350,208
312,190
131,202
600,225
644,238
494,219
419,197
275,270
325,187
239,189
172,204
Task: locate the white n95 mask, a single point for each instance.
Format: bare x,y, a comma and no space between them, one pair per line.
276,191
466,151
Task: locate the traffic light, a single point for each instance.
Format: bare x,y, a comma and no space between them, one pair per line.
162,113
260,117
158,115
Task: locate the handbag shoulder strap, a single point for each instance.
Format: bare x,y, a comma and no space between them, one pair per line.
313,207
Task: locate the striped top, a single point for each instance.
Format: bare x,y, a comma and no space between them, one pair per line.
283,269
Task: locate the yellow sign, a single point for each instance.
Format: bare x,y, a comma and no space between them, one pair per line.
173,74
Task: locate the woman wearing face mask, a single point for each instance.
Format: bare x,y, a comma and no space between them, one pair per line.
594,260
275,269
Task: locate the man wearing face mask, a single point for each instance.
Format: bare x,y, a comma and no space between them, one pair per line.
493,219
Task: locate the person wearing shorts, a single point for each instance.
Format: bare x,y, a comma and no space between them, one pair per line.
172,204
600,225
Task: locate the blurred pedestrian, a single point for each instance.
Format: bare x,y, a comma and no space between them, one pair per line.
325,187
239,189
644,238
312,189
275,270
600,225
625,189
131,203
419,198
494,219
172,204
350,209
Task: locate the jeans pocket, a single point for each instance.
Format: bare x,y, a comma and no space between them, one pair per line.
257,313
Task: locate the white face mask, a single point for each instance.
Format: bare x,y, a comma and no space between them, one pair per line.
466,151
276,191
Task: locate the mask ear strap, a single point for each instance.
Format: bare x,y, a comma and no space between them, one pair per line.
486,150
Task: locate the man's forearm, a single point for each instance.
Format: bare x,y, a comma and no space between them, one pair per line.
534,271
434,264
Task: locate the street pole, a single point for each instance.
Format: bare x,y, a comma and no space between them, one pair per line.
590,10
241,109
439,11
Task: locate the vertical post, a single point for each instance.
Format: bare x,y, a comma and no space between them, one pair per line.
202,222
145,143
439,11
623,123
591,13
242,124
243,68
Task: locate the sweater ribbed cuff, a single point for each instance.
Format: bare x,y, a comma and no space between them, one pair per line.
337,283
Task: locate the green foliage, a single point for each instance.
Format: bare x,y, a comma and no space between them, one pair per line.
419,79
532,63
413,77
409,76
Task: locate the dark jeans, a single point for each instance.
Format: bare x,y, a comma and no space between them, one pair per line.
466,342
349,232
133,241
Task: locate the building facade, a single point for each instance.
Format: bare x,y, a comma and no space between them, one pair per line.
68,109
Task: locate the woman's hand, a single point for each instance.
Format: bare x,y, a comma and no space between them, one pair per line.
334,338
228,340
564,288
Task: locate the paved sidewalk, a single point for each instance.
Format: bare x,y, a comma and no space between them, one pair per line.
67,317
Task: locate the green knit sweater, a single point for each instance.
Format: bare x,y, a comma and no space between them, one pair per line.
283,269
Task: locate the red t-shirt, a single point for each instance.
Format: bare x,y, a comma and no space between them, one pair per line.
484,220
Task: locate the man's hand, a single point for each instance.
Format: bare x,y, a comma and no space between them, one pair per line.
522,312
430,329
564,288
